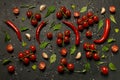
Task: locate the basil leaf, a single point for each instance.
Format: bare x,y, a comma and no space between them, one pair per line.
99,63
57,27
50,10
112,67
100,24
6,61
52,58
116,30
83,9
24,29
87,66
73,49
110,40
7,37
105,48
113,19
24,44
44,45
34,67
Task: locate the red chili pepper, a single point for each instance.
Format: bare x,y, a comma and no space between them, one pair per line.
14,27
76,32
105,33
40,26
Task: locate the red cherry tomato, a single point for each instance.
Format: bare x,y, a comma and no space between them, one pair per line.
96,56
21,55
80,28
66,40
63,9
76,14
90,21
9,48
16,10
27,52
33,48
67,13
11,68
63,51
38,16
84,18
42,65
112,9
70,66
115,48
85,24
89,14
59,42
49,35
60,35
26,61
63,61
34,22
59,15
67,33
79,21
88,34
29,13
92,46
60,69
86,46
104,70
33,57
89,55
95,18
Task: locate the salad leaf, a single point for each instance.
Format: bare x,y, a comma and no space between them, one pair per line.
100,62
110,40
105,48
73,49
73,6
7,37
117,30
24,44
57,27
83,9
100,24
112,67
24,29
6,61
34,67
113,19
52,58
87,66
50,10
44,45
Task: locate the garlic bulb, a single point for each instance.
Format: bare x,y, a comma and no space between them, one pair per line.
78,56
28,36
42,7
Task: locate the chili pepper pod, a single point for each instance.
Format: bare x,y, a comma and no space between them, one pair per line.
15,28
76,32
38,29
105,33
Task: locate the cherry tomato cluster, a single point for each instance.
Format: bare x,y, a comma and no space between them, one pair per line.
63,38
87,20
65,66
28,55
34,17
63,12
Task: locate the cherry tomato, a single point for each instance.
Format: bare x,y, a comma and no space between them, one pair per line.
89,14
42,65
60,35
63,9
63,51
88,34
21,55
96,56
86,46
80,28
66,40
84,18
60,69
115,48
63,61
11,68
29,13
95,18
85,24
10,48
59,15
27,52
26,61
38,16
89,55
90,21
79,21
76,14
33,57
49,35
92,46
70,66
34,22
67,33
16,10
59,42
104,70
67,13
112,9
33,48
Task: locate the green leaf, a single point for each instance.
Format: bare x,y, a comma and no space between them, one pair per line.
24,44
117,30
73,49
100,24
73,6
23,19
99,63
112,67
6,61
110,40
87,66
57,27
34,67
7,37
83,9
24,29
50,10
52,24
105,48
52,58
103,56
44,45
113,19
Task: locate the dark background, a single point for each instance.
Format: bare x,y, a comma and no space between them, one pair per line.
25,72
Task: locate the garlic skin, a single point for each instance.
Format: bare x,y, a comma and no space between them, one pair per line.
42,7
78,56
103,10
28,36
44,55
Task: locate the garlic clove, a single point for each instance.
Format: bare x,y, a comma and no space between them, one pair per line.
42,7
44,55
78,56
103,10
28,36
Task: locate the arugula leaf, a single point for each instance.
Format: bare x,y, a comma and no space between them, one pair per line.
24,29
50,10
113,19
110,40
6,61
105,48
83,9
34,67
99,63
116,30
57,27
44,45
87,66
7,37
112,67
73,49
100,24
24,44
52,58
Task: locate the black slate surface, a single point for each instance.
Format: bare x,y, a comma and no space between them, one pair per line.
25,72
